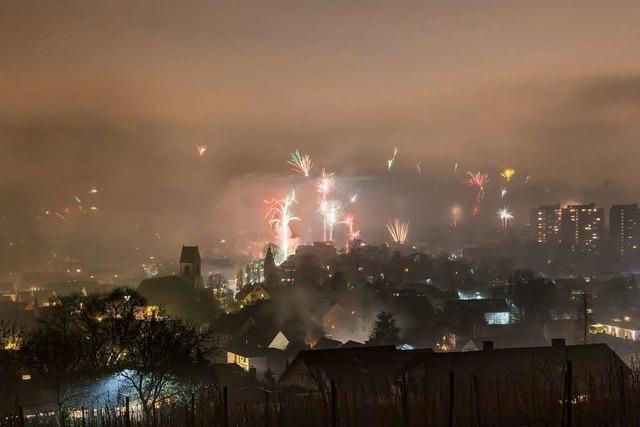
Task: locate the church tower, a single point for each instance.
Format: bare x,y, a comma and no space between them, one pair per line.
190,266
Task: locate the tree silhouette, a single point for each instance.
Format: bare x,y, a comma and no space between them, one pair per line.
385,330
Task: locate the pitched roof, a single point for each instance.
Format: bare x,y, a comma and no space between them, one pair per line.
190,254
591,358
490,305
325,343
351,366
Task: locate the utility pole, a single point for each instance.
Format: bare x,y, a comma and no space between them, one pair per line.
585,309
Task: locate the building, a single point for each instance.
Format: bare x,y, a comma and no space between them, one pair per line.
321,251
582,228
623,228
190,266
545,223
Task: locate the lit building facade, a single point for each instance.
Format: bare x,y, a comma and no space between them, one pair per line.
582,227
623,228
545,221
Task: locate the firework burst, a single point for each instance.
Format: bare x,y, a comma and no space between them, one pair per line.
398,230
508,173
505,216
301,163
201,149
280,216
352,234
478,180
324,185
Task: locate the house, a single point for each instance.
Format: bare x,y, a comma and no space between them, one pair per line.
260,349
250,294
348,368
511,386
325,343
491,311
512,377
344,323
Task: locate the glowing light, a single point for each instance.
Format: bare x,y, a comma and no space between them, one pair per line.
352,234
201,149
398,230
354,198
93,190
478,180
456,214
419,167
392,160
333,214
280,216
505,216
507,173
324,185
301,163
503,192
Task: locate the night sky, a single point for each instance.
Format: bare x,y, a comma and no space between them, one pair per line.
117,95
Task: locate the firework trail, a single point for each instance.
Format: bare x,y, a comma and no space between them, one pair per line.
324,185
419,167
503,192
505,216
398,230
348,221
301,163
527,179
478,180
456,214
507,173
280,216
455,168
333,214
201,149
354,198
59,215
392,160
93,190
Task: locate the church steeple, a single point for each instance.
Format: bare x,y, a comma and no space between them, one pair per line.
190,265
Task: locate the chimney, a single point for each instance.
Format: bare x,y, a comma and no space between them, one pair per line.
487,345
557,343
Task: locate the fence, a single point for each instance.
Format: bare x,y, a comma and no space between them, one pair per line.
459,401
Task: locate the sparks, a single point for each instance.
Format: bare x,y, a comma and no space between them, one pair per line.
333,214
503,192
398,230
280,216
301,163
392,160
352,234
505,216
201,149
419,167
479,180
324,185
